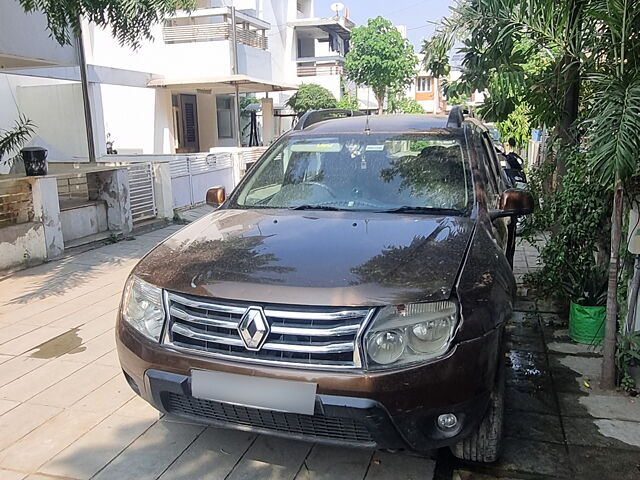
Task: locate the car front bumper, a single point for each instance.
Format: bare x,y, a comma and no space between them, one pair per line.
394,409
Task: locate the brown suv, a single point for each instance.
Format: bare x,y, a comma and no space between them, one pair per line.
353,289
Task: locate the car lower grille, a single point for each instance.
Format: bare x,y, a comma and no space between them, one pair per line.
312,426
312,337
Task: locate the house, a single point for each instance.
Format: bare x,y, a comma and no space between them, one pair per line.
133,135
427,89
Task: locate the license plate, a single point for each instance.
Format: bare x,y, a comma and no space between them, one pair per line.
257,392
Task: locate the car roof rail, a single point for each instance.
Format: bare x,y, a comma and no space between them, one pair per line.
315,116
456,117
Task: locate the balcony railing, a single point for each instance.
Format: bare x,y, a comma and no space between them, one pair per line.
312,69
213,31
215,24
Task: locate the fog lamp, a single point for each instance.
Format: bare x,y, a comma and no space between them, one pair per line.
447,421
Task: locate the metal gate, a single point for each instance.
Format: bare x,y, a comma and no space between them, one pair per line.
193,175
141,192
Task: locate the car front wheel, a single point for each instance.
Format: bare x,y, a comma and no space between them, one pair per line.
484,444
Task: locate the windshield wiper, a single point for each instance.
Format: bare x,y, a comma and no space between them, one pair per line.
317,207
426,210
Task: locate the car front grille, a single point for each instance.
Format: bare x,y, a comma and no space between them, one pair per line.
310,337
311,426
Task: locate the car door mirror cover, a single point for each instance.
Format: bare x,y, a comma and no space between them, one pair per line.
215,196
514,202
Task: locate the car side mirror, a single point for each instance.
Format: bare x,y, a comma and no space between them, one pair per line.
514,202
215,196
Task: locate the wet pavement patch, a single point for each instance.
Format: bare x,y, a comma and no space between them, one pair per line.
574,374
522,400
528,343
524,306
58,346
603,433
527,370
534,426
541,458
599,464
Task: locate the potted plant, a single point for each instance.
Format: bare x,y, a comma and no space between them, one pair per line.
587,291
13,139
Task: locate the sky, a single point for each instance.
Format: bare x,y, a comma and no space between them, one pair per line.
414,14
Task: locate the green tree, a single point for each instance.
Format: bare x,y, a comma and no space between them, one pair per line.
576,64
348,102
130,21
380,58
397,102
613,131
311,96
519,52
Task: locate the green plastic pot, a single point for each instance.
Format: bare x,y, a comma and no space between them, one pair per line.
586,324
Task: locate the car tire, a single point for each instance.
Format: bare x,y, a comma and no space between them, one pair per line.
484,443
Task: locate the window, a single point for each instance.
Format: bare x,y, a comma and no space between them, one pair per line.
378,172
424,84
224,114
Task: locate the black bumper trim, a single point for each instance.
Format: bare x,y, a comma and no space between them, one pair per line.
337,420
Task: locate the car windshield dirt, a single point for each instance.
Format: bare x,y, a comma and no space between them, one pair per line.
412,173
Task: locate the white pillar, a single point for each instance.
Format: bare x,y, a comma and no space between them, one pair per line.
112,186
162,189
46,209
268,132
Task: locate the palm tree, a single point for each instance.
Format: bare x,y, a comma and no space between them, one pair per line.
593,71
613,126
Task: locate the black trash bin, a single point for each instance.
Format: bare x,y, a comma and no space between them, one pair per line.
35,160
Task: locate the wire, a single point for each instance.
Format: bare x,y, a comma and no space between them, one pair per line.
401,9
416,28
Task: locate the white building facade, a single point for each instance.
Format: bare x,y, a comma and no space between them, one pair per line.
171,111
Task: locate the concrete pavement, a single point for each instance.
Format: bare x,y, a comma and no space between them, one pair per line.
67,412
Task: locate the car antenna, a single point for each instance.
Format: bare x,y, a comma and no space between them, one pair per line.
366,124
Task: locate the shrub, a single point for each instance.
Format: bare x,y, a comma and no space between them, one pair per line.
311,96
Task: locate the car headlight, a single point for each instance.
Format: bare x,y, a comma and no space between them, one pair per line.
142,307
405,334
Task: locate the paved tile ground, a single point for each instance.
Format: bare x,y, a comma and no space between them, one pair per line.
67,413
558,424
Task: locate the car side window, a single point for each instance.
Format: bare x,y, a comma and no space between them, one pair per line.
485,160
493,161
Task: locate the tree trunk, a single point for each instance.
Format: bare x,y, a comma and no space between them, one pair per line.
380,99
608,377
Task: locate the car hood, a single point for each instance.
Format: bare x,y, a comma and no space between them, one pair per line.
312,257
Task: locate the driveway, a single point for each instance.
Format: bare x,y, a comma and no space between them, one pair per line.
67,412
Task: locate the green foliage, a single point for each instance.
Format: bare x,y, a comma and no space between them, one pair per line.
311,96
380,58
130,21
628,355
246,101
348,102
586,286
513,52
614,127
14,139
517,126
398,103
578,215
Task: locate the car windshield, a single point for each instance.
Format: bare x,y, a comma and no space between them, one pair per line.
380,172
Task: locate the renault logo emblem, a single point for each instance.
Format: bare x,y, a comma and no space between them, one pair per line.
253,328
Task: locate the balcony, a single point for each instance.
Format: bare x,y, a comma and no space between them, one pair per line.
210,24
317,66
